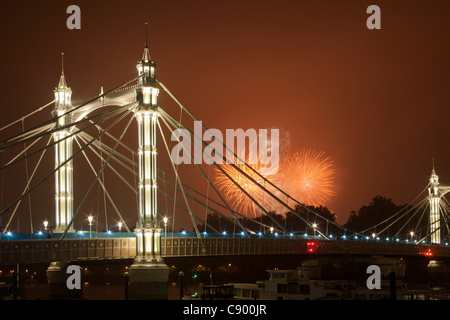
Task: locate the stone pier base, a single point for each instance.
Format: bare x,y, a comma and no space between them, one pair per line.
149,280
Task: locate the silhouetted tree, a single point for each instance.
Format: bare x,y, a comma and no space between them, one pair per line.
288,221
378,210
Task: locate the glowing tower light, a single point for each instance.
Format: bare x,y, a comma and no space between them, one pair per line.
147,230
434,197
63,151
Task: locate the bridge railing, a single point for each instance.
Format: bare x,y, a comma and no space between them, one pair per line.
78,235
27,249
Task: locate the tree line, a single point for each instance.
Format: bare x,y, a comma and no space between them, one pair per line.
378,210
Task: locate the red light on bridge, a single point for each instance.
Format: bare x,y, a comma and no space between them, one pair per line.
428,253
311,246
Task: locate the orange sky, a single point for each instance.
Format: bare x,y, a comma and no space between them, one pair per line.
375,101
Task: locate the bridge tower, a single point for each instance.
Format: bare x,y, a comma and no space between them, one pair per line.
149,273
63,151
434,196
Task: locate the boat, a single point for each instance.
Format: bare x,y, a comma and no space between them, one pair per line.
302,284
213,292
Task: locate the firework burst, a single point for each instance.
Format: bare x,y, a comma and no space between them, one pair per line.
235,197
308,177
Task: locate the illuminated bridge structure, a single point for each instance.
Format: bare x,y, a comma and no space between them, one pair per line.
88,125
116,246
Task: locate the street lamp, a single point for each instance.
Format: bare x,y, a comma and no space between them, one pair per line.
120,226
165,219
90,226
45,225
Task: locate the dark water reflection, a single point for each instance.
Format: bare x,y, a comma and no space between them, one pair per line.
98,291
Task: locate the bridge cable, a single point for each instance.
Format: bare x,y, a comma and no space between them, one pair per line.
236,167
207,206
445,216
27,175
412,216
178,178
112,113
54,170
56,119
421,203
252,169
207,198
28,115
182,207
26,187
88,138
166,117
102,184
164,114
215,202
98,175
398,211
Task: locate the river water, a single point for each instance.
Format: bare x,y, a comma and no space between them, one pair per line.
39,291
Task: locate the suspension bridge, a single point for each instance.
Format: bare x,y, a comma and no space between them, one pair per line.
159,198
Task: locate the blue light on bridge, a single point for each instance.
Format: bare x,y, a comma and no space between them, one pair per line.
79,234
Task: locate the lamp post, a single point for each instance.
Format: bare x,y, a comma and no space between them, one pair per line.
120,226
165,226
45,225
90,226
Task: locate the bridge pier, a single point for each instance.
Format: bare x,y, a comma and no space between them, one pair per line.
149,279
149,274
57,282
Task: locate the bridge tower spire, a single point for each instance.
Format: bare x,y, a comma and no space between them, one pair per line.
434,196
149,273
63,151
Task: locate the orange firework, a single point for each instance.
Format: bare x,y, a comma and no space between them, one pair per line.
236,198
308,177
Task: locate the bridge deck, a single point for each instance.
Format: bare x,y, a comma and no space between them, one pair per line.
40,250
